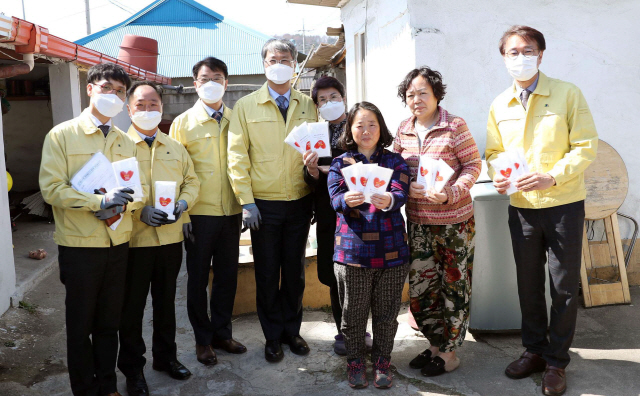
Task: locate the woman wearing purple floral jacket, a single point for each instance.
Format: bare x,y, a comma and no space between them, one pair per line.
371,254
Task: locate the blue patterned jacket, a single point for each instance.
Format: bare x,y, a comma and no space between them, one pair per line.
366,236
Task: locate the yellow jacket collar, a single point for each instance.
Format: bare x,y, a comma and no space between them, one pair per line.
87,124
202,116
541,89
133,134
264,96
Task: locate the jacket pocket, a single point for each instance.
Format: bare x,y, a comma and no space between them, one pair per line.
266,171
549,159
80,223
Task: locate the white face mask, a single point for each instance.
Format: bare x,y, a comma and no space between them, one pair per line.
522,68
109,105
211,92
279,73
146,120
331,111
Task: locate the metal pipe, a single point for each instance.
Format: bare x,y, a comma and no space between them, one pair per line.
14,70
632,244
178,88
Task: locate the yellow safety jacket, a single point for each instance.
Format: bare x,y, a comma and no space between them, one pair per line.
206,143
67,147
557,134
261,164
165,160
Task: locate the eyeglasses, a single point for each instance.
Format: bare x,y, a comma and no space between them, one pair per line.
285,62
528,53
335,97
204,80
108,88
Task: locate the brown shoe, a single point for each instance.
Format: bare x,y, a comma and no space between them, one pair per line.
230,345
554,381
528,364
206,355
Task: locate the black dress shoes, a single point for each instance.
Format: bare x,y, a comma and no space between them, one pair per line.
230,345
273,351
175,369
297,344
137,385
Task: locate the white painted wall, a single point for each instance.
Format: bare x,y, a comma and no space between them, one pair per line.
390,53
23,141
590,43
7,266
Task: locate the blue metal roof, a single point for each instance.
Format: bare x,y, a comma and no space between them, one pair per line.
186,33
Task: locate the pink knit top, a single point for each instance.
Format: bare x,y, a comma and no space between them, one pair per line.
450,140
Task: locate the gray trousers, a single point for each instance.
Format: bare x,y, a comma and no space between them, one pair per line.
364,289
555,233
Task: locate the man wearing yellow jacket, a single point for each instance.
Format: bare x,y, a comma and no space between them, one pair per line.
155,253
212,240
267,177
551,121
92,256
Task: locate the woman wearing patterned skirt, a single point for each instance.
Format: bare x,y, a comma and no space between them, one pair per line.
441,224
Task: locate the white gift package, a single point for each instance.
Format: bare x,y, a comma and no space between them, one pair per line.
165,193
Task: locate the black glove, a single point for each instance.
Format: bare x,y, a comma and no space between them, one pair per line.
104,214
187,230
118,196
153,217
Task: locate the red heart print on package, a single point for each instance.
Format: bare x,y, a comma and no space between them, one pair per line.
438,177
506,172
378,183
423,171
363,181
353,179
165,201
126,176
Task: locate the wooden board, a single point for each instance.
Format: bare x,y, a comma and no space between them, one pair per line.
607,183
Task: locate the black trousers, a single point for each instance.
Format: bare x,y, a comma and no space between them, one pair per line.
555,233
217,247
279,256
326,234
94,280
154,268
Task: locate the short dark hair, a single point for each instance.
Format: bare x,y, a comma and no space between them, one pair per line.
346,139
527,33
433,78
325,82
108,71
137,84
212,63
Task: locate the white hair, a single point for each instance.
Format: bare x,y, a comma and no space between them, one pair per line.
279,45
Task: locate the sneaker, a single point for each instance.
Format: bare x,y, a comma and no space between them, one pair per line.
368,341
338,346
357,374
382,377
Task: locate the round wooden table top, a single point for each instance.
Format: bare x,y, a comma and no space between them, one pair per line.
607,183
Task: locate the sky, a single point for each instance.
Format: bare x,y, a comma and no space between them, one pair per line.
66,18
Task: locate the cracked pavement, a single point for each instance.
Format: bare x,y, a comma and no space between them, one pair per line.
605,356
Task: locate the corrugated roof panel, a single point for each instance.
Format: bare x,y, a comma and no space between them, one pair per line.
183,41
167,12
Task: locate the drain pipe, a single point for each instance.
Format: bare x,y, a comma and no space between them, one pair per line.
18,69
178,88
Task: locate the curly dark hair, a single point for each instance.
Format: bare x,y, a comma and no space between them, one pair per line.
432,77
325,82
346,140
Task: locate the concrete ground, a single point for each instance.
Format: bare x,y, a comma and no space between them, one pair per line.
605,356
